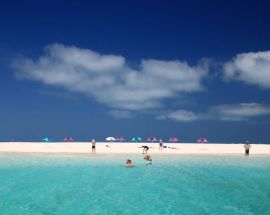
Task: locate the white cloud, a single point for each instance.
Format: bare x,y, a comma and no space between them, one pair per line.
109,79
226,112
251,68
179,115
121,114
239,112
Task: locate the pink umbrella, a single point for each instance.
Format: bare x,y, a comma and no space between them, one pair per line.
69,139
152,139
202,140
173,139
121,138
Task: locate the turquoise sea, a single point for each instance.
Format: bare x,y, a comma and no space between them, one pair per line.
101,185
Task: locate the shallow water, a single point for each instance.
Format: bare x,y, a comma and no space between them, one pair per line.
187,185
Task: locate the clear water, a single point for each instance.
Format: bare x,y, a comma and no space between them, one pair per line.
101,185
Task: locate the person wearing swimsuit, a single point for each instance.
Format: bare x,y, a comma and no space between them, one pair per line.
247,147
148,158
160,145
145,149
93,146
129,163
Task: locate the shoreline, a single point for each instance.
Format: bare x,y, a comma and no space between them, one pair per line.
74,155
104,148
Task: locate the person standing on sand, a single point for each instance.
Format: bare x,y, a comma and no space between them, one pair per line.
93,146
247,146
160,145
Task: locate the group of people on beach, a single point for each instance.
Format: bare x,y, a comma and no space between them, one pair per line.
247,147
145,148
146,157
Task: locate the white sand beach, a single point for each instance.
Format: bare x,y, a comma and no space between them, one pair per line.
130,148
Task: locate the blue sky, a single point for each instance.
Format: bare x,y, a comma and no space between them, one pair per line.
144,68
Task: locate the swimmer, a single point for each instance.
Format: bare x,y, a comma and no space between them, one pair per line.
129,163
148,158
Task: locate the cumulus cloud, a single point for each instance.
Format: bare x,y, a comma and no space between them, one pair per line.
109,79
179,115
239,112
225,112
251,68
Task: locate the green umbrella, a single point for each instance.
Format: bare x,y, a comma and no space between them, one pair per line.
136,139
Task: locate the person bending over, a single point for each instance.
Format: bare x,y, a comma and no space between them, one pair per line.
145,149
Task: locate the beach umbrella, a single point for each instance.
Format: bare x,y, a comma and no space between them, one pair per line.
202,140
120,138
136,139
110,139
152,139
68,139
173,140
45,139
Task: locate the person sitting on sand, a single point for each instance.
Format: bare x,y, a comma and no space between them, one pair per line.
145,149
93,146
129,163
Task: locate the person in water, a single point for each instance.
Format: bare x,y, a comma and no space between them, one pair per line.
129,163
145,149
147,157
93,146
247,146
